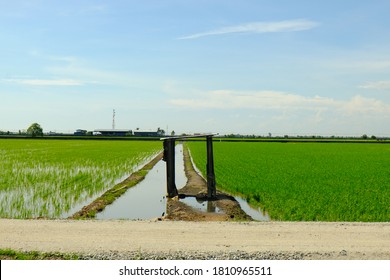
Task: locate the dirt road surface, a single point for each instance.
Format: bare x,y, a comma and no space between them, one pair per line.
309,240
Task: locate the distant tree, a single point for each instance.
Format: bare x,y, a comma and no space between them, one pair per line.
373,137
364,136
35,130
160,131
173,133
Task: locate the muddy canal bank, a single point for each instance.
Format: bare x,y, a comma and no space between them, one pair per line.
143,196
223,208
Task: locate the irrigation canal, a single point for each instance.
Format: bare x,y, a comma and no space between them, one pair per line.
147,200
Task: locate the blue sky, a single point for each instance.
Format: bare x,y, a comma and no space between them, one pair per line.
249,67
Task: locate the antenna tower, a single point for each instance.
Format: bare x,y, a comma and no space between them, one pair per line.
113,119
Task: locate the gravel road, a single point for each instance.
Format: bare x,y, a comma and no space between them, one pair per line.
124,239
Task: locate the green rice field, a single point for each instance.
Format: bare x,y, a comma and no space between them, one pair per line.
305,181
51,178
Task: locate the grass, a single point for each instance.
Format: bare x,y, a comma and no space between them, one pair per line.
52,178
8,254
305,181
98,205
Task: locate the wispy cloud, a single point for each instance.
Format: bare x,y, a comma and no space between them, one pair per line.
229,99
376,85
282,101
258,27
45,82
285,112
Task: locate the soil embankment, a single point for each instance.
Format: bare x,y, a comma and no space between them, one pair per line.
197,187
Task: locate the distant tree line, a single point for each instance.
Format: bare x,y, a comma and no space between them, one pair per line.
252,136
35,130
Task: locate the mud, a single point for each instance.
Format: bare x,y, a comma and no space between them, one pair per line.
196,186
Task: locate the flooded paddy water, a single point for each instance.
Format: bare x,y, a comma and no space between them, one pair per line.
147,200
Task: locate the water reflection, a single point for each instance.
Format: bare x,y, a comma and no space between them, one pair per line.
147,200
256,214
180,175
202,205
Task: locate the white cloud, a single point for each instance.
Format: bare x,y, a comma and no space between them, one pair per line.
228,99
259,27
46,82
376,85
282,102
362,105
285,113
52,82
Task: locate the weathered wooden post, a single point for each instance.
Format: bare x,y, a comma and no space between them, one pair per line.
211,189
169,158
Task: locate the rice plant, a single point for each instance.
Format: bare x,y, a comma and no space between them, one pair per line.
305,181
53,178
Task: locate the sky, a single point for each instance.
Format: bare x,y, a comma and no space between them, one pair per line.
259,67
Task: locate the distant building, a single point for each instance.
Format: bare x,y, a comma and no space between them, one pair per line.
147,133
113,132
80,132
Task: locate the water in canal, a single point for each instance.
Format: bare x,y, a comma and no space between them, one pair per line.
147,200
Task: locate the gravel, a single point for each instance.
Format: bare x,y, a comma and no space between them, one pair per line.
172,240
181,255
